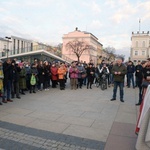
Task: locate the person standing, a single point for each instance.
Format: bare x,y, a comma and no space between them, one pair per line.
41,75
73,71
130,74
54,73
81,71
22,78
34,73
61,76
1,80
15,80
119,70
139,79
7,70
90,75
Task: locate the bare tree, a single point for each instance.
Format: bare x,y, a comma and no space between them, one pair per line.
111,52
120,56
78,47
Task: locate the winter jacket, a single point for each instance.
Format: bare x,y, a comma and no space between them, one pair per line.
54,73
116,68
61,73
73,71
81,71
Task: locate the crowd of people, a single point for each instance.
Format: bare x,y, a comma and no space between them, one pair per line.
17,77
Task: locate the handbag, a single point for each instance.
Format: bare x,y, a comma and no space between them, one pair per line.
33,80
83,75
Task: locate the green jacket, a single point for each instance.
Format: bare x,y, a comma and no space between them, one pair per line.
122,68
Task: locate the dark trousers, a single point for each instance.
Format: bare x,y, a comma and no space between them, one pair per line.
62,83
7,89
116,85
130,79
90,81
32,88
15,89
139,84
80,82
54,83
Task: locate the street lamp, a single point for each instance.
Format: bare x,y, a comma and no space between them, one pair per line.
7,50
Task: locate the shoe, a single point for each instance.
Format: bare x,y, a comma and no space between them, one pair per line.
1,103
23,93
9,100
121,100
18,97
113,99
34,92
4,101
138,104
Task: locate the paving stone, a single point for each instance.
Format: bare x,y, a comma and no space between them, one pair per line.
75,109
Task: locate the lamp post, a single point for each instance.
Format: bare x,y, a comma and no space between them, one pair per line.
7,50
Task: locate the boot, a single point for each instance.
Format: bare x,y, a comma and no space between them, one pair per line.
22,92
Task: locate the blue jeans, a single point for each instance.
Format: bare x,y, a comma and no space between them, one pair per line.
121,85
130,78
7,90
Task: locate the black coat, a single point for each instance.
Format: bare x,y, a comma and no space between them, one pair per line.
41,74
7,70
15,73
89,70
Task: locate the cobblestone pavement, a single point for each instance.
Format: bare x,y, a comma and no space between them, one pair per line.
14,137
82,119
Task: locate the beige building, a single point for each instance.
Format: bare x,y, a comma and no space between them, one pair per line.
89,39
140,46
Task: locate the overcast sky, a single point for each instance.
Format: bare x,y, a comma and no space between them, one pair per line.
111,21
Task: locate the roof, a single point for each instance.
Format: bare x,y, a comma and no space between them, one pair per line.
44,52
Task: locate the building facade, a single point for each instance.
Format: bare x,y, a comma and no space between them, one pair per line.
140,46
87,55
27,50
5,47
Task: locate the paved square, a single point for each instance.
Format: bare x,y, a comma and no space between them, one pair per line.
82,113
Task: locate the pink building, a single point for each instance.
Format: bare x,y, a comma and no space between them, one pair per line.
89,39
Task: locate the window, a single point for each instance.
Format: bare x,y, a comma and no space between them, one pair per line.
136,53
136,43
143,53
18,47
14,48
143,44
22,46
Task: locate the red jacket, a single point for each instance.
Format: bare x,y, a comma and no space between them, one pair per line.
54,73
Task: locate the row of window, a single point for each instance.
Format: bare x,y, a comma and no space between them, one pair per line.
137,44
21,45
138,53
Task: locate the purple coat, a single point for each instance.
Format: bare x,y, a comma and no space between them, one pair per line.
73,72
